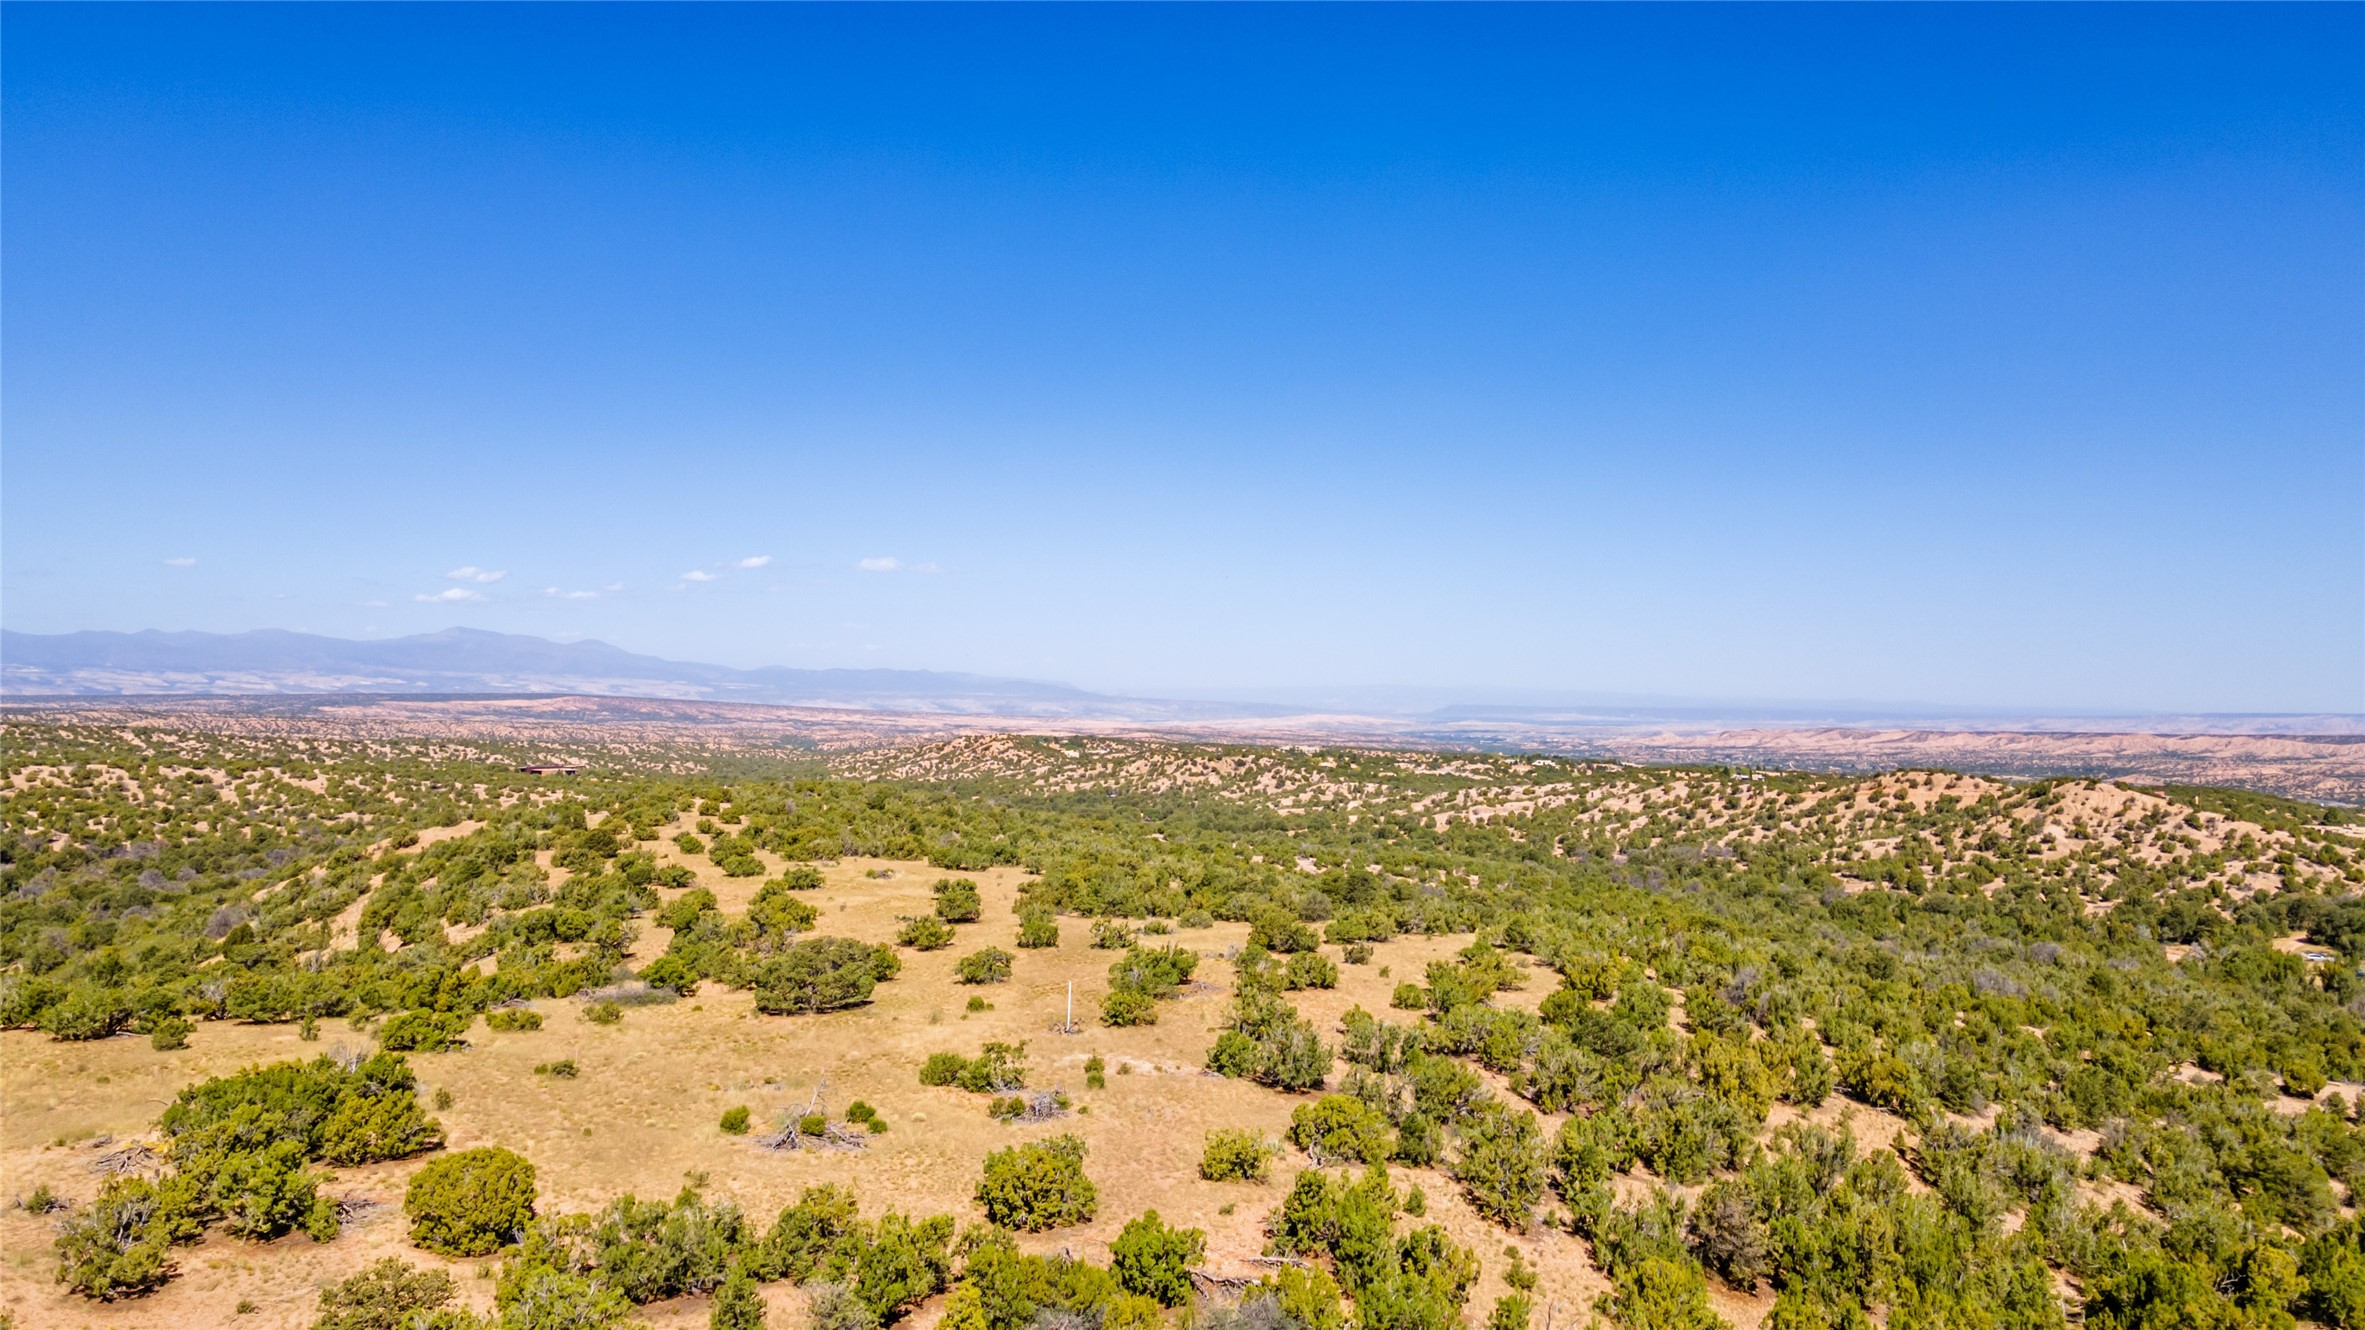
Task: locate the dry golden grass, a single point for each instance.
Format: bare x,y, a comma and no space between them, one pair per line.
643,1113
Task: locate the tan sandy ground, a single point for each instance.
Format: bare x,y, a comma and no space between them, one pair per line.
642,1114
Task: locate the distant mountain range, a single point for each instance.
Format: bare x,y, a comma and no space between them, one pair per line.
469,661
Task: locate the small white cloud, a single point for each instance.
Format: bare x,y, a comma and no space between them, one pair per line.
700,575
472,573
183,562
894,566
754,561
448,595
371,604
569,595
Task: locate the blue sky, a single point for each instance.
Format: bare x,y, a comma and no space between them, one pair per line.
2007,356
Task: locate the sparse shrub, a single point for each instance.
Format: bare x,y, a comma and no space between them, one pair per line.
977,1002
822,974
1512,1311
170,1034
925,932
942,1068
1270,1043
1418,1141
1409,997
735,1120
1154,1261
998,1067
682,911
1111,935
957,901
564,1069
120,1245
1309,969
738,1305
1358,953
514,1020
833,1306
1197,919
1096,1071
859,1111
1501,1165
1340,1128
1128,1006
471,1203
263,1193
422,1031
797,878
1037,1186
812,1124
387,1295
990,966
443,1098
1306,1295
1236,1154
1037,929
606,1011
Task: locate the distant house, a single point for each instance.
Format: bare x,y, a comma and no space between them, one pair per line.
550,769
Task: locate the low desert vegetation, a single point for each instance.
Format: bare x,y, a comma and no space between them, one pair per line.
990,966
1037,1186
2113,1034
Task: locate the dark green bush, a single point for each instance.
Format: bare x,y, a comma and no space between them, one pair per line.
957,901
423,1031
1037,1186
1501,1165
925,932
1340,1128
471,1203
1236,1154
990,966
821,974
514,1020
1152,1260
735,1121
1037,929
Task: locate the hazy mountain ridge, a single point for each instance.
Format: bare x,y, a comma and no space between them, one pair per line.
471,661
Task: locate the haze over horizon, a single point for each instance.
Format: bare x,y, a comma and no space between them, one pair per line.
1989,357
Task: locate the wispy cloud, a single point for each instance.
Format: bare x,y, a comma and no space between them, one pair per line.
447,596
472,573
701,575
890,565
555,593
754,561
613,587
182,562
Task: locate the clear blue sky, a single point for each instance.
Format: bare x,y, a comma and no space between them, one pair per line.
1980,355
